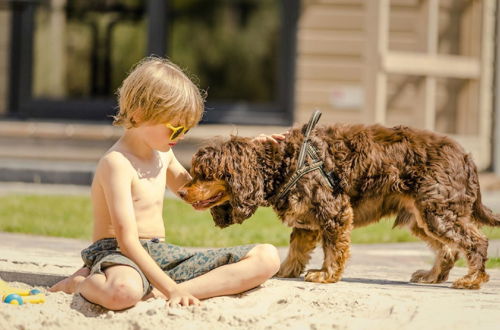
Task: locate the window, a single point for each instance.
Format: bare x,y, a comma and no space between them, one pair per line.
74,54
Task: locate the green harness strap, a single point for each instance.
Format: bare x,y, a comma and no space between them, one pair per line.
303,168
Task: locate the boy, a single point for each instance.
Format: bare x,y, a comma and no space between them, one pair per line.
129,260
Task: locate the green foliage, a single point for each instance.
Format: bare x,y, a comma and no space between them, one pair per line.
230,46
491,263
184,226
381,232
71,216
62,216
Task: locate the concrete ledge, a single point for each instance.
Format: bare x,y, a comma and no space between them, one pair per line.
66,152
105,131
46,176
33,279
57,130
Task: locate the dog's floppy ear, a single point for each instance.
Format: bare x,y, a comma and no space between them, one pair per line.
246,199
242,206
244,179
222,215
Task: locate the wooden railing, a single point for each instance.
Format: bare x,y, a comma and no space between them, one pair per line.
476,67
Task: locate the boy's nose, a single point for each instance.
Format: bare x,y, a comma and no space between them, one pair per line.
182,193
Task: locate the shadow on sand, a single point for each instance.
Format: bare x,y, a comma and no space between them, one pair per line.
86,308
374,282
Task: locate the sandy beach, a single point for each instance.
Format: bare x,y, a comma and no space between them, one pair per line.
374,294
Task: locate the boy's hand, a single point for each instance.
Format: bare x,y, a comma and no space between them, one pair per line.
183,298
275,138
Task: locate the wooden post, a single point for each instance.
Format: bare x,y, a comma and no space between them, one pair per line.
57,50
485,104
496,125
429,42
467,110
4,56
377,40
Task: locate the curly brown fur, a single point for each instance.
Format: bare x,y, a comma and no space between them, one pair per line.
426,180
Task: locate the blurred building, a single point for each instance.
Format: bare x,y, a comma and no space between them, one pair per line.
424,63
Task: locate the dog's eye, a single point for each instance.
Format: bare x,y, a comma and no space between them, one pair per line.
227,176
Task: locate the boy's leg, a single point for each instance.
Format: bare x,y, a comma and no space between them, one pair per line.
69,284
118,288
260,264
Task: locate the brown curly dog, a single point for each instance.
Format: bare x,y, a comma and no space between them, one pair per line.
425,180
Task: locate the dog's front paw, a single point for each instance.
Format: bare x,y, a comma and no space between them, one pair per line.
321,276
424,276
289,270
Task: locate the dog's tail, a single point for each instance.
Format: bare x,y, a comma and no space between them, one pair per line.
484,215
480,213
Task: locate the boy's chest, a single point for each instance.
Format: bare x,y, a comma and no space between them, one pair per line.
149,189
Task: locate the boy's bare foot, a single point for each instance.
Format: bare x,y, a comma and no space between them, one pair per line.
69,284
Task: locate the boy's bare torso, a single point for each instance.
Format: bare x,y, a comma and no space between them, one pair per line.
148,182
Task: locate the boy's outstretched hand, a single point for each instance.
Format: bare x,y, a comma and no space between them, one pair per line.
275,138
183,298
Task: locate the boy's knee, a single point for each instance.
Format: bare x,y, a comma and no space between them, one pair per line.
123,294
269,259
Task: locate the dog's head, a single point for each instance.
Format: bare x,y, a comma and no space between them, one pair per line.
226,179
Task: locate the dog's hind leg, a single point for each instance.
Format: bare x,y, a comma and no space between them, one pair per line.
302,242
451,227
475,249
445,259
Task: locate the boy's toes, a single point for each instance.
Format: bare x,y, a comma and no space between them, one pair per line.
60,286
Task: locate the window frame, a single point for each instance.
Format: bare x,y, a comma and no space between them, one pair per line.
22,105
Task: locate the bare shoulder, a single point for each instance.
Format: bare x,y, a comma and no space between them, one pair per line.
114,162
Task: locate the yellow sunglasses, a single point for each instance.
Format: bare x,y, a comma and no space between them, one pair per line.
176,131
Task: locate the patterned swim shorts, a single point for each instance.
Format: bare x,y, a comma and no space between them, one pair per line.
177,262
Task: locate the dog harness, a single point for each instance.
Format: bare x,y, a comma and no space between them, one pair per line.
302,167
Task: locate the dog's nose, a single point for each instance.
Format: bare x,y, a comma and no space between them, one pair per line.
182,193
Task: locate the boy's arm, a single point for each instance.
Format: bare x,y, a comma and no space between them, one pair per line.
116,180
177,175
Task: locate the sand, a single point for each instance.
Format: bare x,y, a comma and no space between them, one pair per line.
374,294
355,303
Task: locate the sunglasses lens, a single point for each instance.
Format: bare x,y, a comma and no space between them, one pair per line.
176,133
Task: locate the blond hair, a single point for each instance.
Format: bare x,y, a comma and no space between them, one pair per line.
157,91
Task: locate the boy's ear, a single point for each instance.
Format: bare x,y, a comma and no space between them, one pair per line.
136,117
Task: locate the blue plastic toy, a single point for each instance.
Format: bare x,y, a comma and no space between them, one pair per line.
16,296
